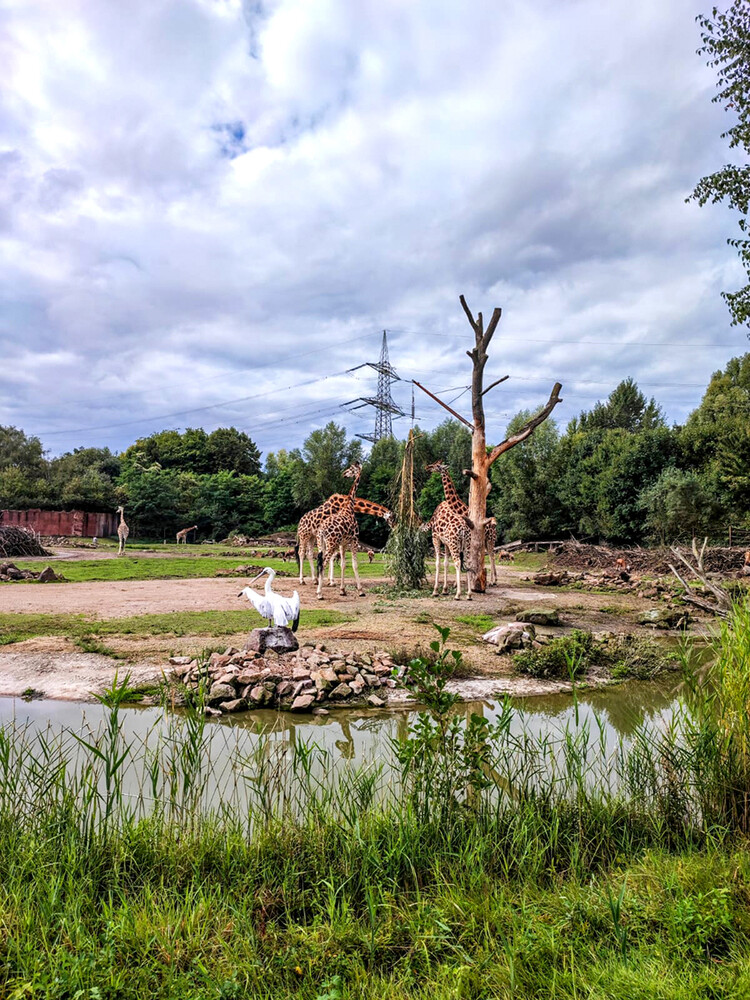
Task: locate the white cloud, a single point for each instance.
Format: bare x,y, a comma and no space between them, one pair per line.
200,199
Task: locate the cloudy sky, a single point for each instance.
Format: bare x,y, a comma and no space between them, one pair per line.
210,209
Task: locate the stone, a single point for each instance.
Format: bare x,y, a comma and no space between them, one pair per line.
235,705
540,616
284,688
381,669
664,618
231,651
345,678
300,674
371,680
269,686
302,702
277,638
357,685
248,676
258,694
221,692
320,711
217,660
211,712
389,682
301,686
374,701
180,661
341,691
181,670
515,635
226,678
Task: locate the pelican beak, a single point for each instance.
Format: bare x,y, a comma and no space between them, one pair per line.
240,593
258,576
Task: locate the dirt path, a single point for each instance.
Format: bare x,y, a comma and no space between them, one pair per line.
68,676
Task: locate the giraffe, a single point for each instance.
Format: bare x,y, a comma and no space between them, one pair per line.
449,529
182,535
339,532
451,495
122,531
310,523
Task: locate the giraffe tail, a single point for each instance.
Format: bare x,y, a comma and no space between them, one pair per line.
319,564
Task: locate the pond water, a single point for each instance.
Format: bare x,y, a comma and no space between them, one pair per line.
237,748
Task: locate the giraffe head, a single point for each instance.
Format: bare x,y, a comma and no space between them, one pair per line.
438,466
121,510
354,470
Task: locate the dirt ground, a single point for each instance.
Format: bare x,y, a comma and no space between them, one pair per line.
56,667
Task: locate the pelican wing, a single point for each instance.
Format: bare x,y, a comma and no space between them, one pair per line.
260,602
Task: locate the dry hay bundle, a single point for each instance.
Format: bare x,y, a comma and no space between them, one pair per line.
15,542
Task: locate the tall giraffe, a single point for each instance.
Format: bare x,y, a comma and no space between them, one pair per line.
307,529
457,504
449,530
182,535
339,532
122,531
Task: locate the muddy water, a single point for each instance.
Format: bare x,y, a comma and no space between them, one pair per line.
235,746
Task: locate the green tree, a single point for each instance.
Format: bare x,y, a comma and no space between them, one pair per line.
18,449
326,453
626,409
228,449
680,504
726,44
524,496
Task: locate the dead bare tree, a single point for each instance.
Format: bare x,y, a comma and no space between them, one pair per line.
722,602
482,459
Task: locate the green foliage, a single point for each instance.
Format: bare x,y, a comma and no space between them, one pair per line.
620,656
679,505
567,656
726,40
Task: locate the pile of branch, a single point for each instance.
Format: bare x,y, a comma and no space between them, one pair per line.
719,602
17,542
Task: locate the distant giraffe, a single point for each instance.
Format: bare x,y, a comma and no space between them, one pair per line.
122,531
457,504
182,535
309,524
339,532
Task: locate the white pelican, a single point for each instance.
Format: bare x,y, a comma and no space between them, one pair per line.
275,607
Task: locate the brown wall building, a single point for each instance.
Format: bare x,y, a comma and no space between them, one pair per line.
76,523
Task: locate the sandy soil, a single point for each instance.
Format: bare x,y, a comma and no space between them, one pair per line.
66,675
57,668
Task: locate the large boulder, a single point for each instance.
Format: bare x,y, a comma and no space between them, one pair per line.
515,635
279,638
664,618
540,616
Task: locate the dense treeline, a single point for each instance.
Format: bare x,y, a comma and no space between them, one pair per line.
616,473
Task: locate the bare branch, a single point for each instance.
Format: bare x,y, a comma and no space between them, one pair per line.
492,386
444,405
468,472
721,595
690,598
528,429
471,319
497,313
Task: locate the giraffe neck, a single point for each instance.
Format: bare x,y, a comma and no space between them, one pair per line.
363,506
450,490
355,483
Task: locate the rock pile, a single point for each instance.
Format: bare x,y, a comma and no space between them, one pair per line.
303,681
9,571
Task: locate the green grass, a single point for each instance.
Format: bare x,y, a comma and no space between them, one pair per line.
481,623
175,567
14,627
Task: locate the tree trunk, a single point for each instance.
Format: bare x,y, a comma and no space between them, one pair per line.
481,460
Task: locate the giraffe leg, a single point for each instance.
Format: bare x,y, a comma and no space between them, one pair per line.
331,568
457,564
436,544
446,554
493,576
355,570
342,557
